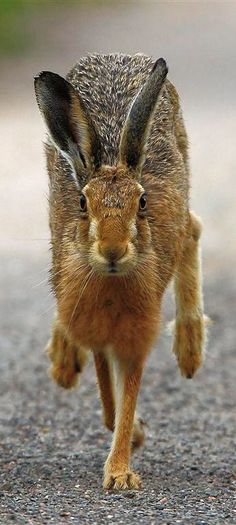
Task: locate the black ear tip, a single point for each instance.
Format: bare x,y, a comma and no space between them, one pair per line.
53,83
41,77
48,76
160,66
36,79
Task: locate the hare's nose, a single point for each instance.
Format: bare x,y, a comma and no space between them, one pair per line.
112,254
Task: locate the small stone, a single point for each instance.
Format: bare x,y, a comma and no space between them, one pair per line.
212,493
129,494
162,500
6,486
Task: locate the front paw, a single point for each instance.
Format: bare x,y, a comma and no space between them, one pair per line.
64,369
64,376
116,480
189,344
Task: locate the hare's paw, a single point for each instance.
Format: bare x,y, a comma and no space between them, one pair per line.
138,435
63,369
117,476
121,480
64,376
189,344
67,360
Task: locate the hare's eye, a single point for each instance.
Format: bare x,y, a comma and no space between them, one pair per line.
143,202
83,203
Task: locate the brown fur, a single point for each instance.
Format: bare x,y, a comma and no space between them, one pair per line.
117,316
190,323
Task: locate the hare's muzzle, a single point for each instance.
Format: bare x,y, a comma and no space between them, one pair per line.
112,254
112,258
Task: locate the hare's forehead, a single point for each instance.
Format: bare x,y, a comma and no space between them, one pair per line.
110,194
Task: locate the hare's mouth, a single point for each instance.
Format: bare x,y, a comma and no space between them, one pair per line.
112,267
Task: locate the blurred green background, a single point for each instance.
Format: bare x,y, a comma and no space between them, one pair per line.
15,34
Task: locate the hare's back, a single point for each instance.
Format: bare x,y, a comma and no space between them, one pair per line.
108,84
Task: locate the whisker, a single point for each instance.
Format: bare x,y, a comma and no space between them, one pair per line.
70,283
87,279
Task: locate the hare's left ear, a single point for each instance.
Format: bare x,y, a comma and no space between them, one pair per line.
69,124
138,122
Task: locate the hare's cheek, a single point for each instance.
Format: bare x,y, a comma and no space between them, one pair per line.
144,238
83,231
74,233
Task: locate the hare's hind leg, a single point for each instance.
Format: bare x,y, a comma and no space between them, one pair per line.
67,358
189,336
107,393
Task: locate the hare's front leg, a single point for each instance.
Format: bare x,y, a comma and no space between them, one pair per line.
106,388
117,473
107,393
67,358
189,336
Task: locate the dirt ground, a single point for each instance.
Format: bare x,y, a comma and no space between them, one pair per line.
53,444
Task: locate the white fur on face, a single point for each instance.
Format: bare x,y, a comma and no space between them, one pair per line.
133,229
93,229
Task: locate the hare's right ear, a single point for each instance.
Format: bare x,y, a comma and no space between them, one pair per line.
70,126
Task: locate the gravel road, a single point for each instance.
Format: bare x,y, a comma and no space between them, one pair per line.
52,442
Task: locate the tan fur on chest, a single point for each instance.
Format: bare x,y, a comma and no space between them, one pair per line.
107,314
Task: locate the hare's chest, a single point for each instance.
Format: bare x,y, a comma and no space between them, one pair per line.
124,331
98,325
104,322
108,317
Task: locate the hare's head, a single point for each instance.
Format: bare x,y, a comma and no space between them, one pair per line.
112,227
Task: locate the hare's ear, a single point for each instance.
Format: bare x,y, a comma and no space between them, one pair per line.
70,126
138,122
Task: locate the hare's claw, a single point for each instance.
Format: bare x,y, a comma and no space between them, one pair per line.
122,481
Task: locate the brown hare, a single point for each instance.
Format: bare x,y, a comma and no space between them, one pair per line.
117,157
